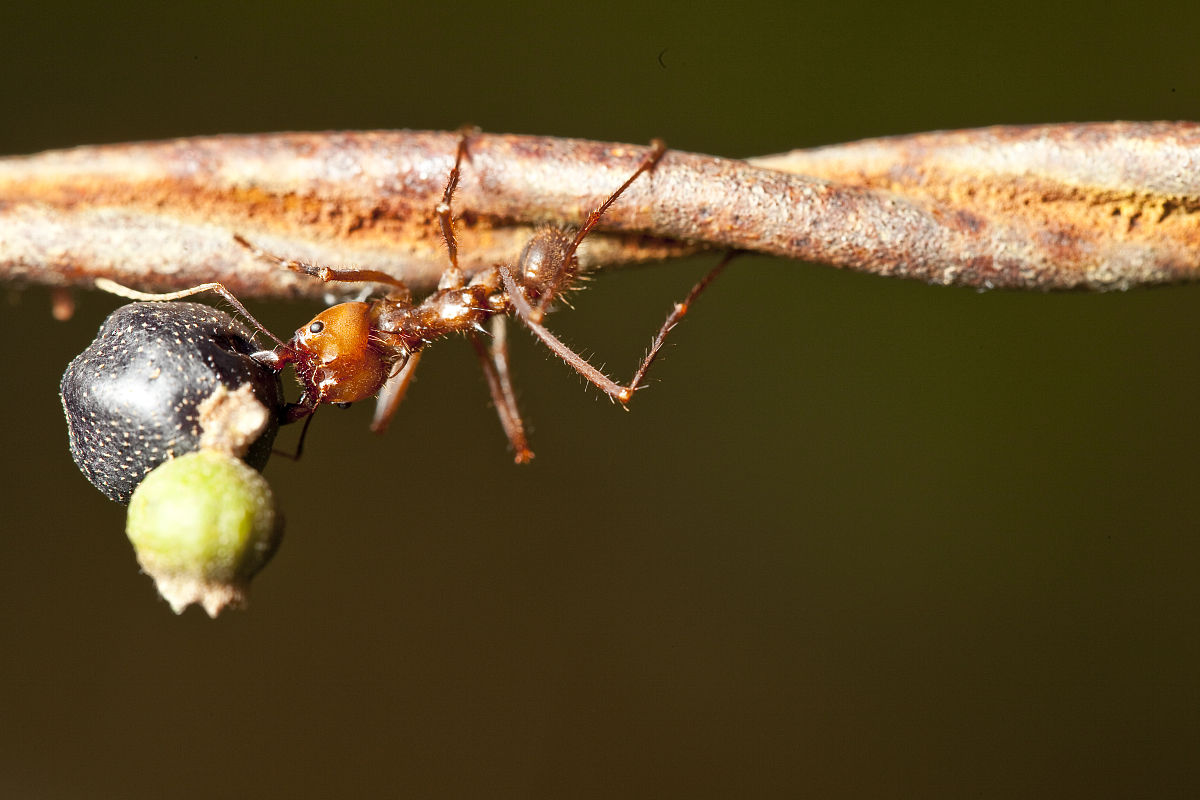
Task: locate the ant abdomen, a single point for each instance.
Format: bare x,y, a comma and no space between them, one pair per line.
548,263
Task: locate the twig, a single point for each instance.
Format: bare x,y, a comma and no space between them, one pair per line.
1100,205
1108,205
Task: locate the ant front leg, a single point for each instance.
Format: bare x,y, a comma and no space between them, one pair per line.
619,392
329,274
392,394
112,287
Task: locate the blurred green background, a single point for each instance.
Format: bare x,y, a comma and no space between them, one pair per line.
864,538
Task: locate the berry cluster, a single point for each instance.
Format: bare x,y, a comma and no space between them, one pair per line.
139,405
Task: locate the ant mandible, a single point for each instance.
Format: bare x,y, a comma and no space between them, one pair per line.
356,350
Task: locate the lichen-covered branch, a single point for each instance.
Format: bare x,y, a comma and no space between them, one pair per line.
1107,205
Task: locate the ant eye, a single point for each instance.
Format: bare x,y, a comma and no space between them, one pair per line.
316,327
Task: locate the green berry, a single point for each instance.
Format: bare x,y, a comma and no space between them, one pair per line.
202,525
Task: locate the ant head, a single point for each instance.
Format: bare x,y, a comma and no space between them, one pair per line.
334,356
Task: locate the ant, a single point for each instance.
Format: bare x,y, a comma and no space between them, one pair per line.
356,350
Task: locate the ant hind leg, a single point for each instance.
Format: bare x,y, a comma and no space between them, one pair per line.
617,391
560,262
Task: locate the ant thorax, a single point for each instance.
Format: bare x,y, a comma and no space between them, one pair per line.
399,325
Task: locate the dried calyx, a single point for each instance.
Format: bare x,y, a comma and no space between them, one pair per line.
202,525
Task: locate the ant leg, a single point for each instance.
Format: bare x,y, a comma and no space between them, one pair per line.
392,393
649,161
657,148
112,287
573,359
326,274
444,209
616,391
495,368
677,313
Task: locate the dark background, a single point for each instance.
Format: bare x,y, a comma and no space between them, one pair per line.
864,538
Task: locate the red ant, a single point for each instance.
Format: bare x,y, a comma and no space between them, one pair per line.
352,351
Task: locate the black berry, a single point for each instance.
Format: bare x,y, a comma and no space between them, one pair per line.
131,397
